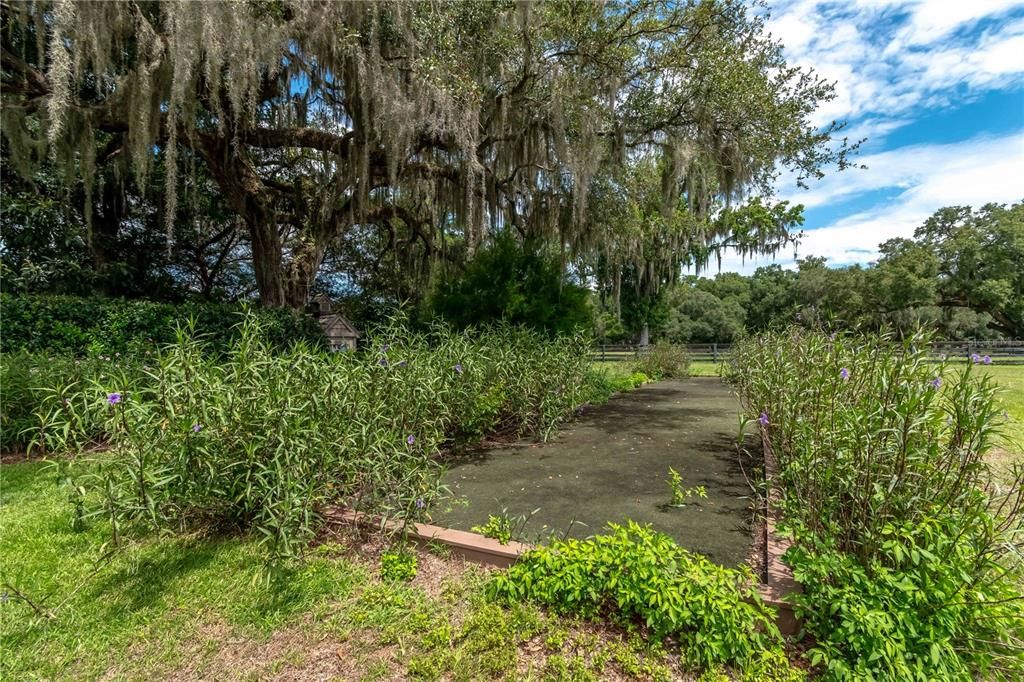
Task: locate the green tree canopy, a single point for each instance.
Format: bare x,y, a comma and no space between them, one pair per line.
514,283
427,126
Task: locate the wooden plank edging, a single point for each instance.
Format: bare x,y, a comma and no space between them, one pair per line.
779,582
471,546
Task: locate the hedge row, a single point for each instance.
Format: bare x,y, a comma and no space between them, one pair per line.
83,326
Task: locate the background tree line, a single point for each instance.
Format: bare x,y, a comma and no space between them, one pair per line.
960,274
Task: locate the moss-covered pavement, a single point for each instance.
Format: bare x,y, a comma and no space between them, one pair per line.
612,464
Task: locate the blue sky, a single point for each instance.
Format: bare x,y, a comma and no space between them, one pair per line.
936,87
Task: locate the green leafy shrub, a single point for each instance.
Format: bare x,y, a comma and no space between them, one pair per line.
17,399
513,283
72,325
398,565
602,384
663,361
263,439
39,392
906,544
642,577
637,379
910,613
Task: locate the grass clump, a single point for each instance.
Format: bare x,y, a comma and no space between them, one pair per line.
663,361
908,546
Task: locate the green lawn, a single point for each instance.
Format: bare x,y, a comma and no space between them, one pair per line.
202,607
622,368
1011,393
1010,379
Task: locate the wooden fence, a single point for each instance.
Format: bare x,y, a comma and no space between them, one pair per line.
1001,352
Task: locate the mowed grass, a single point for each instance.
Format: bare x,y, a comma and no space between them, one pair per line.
205,607
623,368
1010,379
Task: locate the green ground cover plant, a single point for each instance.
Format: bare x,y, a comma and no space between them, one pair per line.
398,565
908,545
641,578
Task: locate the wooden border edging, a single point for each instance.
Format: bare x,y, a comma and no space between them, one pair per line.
779,581
471,546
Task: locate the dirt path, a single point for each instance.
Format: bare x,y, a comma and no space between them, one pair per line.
612,464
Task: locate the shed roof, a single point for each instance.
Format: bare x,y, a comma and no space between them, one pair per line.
335,325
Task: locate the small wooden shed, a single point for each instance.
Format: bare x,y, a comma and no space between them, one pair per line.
341,334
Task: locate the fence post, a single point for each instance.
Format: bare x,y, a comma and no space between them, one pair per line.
714,353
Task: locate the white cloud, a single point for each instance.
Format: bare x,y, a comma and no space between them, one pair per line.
888,57
920,165
975,172
932,20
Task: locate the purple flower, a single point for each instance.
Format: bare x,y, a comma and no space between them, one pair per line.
975,358
197,427
410,440
113,398
936,382
458,368
987,360
844,374
420,504
385,347
763,419
403,363
383,362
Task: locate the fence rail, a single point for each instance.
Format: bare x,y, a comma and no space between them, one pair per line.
1001,352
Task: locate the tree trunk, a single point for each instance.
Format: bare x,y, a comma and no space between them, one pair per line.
302,271
645,334
266,261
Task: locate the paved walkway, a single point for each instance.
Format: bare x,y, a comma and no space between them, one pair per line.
612,464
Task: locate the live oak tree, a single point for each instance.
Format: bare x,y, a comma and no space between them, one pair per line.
437,124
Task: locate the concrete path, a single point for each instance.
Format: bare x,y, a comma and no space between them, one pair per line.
612,464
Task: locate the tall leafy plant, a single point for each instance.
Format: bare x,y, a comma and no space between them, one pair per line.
263,440
907,544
